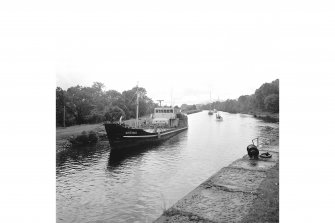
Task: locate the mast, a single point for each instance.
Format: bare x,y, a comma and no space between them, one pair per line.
160,101
136,124
210,98
171,97
64,117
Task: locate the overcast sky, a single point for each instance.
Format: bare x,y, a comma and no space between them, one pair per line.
181,48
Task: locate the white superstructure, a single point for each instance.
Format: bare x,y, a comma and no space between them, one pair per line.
166,116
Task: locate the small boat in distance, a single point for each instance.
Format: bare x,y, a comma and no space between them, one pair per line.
210,112
215,111
219,117
165,123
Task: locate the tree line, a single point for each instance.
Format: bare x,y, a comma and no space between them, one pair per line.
265,99
186,107
87,105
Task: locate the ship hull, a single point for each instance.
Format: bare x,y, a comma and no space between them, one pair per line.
124,138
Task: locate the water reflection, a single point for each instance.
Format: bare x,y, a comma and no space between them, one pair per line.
117,157
95,184
82,153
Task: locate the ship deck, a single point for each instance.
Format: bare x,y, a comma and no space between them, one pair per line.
152,130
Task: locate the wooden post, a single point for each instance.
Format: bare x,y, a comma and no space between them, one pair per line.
64,117
137,110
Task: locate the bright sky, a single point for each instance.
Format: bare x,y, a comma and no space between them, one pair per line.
181,48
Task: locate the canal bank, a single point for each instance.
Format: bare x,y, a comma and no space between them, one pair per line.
65,135
266,116
138,187
192,111
245,191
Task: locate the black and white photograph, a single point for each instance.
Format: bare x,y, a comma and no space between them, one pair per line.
163,114
177,111
211,161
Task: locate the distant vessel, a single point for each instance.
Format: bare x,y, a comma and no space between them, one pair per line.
210,112
219,117
215,111
165,123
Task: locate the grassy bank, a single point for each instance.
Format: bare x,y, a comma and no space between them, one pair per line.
65,133
73,131
266,116
192,111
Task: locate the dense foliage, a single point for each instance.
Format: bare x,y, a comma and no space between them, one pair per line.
94,104
265,98
85,138
185,107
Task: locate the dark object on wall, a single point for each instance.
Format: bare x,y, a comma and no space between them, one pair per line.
253,151
266,155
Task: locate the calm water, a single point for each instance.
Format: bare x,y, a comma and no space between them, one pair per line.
94,185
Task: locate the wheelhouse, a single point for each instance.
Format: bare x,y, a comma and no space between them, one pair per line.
165,116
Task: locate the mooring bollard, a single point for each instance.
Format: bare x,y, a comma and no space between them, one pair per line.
252,149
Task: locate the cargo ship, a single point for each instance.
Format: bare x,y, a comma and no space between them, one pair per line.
164,123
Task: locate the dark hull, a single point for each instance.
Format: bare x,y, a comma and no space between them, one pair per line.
123,138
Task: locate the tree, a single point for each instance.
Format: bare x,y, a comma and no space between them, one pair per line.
98,87
81,102
94,105
265,90
260,100
60,102
113,97
146,105
99,101
271,103
242,103
114,113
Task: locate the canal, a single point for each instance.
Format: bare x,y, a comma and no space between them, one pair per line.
95,185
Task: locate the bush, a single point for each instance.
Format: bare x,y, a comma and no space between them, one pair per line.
114,114
82,139
92,137
272,103
95,117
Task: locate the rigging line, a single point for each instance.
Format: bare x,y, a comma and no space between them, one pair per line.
133,95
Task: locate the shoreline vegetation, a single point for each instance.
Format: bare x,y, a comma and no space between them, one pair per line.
83,110
92,105
65,136
263,104
192,111
266,116
80,105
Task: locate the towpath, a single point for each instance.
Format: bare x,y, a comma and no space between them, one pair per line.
245,191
